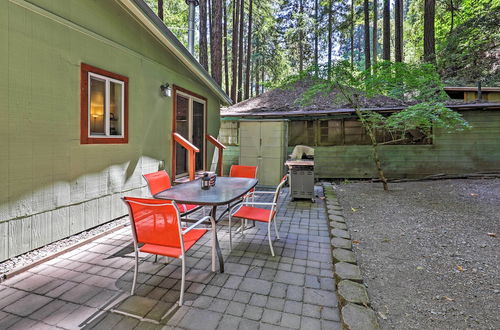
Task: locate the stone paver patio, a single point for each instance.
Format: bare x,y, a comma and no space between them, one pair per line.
80,289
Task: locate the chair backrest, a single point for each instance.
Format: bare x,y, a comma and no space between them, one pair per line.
155,221
243,171
157,182
277,193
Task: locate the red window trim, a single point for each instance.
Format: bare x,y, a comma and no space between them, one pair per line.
84,109
176,89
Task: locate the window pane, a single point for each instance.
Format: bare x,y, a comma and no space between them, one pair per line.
115,109
182,112
301,132
199,132
331,132
97,105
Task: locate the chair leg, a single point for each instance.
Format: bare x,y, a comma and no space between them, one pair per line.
269,236
230,234
156,258
276,229
214,238
136,270
183,279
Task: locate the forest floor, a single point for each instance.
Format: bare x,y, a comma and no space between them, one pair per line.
428,251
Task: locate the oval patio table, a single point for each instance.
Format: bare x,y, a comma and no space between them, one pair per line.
226,191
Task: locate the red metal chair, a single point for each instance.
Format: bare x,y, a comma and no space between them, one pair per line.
156,224
261,214
160,181
242,171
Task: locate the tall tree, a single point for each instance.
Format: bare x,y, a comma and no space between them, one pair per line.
352,34
429,32
216,44
249,50
203,34
316,24
226,56
234,48
330,35
241,50
387,30
160,9
301,35
375,32
366,11
398,30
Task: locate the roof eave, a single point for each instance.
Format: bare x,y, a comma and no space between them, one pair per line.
465,106
147,17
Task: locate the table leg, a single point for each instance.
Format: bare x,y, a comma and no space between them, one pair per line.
213,214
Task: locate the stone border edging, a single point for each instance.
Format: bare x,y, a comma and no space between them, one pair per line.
354,304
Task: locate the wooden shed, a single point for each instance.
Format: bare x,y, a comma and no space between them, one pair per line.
343,150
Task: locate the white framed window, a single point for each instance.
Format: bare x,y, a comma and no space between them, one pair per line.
104,106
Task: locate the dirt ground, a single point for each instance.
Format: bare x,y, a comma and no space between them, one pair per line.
429,251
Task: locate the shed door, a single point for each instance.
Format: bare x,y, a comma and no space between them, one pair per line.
262,144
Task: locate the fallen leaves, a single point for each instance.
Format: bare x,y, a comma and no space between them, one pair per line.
355,242
460,268
353,209
492,234
448,298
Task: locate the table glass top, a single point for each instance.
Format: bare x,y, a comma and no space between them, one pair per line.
226,190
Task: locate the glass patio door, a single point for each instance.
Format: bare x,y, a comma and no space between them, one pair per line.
190,119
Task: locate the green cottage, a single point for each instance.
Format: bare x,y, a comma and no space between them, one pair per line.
91,92
342,149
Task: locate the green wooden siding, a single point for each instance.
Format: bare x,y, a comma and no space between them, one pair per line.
473,150
51,186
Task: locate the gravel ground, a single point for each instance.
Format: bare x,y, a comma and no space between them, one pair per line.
428,251
35,255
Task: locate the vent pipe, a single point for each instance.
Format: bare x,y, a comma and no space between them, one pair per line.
192,5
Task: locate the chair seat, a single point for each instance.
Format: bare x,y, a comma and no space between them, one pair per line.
253,213
183,208
189,240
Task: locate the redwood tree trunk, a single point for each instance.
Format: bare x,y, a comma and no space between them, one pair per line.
203,34
398,30
160,9
429,38
316,23
352,34
234,48
366,10
375,32
226,56
330,33
216,46
301,36
387,30
241,50
249,51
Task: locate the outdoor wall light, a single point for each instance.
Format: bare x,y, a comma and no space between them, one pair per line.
166,90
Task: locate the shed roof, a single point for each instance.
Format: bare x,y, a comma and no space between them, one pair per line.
141,11
471,89
284,102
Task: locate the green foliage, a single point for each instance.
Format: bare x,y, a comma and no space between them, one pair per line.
467,39
418,85
471,51
426,116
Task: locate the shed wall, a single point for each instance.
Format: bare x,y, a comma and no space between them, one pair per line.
474,150
51,186
469,151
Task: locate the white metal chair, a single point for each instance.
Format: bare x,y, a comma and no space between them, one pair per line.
247,211
156,224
